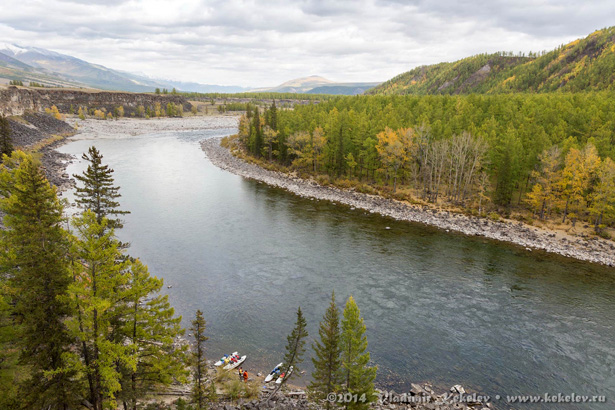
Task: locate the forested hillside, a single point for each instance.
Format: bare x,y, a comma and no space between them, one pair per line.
587,64
478,151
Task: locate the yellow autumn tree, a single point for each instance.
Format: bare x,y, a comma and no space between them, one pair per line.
544,191
318,143
270,137
394,148
99,114
580,167
54,112
308,148
603,196
299,144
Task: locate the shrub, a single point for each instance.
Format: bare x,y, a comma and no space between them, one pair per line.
323,180
53,111
365,189
234,388
346,183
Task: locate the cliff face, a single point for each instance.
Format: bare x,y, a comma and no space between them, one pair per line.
17,101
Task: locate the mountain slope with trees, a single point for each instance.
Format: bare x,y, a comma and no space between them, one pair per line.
586,64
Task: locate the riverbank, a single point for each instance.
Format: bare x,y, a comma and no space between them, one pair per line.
587,249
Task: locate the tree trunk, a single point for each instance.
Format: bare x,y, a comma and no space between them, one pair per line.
566,210
542,209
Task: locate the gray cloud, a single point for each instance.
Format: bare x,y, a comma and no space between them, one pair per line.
257,42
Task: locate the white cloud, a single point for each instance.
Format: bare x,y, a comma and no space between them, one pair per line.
256,43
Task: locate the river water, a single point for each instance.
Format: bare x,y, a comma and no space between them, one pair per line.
439,307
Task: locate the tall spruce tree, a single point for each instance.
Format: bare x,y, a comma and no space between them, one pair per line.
327,375
272,116
199,393
359,377
99,291
295,346
98,192
6,144
149,324
34,252
257,133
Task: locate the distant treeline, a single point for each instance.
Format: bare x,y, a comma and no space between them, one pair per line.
468,150
256,96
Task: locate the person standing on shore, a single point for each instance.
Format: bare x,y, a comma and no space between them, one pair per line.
240,373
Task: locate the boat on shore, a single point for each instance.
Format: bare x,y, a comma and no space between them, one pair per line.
284,376
271,376
226,356
231,366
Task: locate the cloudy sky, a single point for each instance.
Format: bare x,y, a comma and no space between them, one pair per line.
266,42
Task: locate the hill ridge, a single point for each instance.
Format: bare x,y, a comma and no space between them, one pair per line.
586,64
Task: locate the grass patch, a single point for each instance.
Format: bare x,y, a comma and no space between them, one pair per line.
45,142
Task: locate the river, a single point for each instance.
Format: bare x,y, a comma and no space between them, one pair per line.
439,307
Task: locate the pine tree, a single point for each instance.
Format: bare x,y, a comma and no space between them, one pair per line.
6,144
295,346
97,295
359,377
327,376
34,253
98,192
272,117
257,133
199,393
148,323
8,346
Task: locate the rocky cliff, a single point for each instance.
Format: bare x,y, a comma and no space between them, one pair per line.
17,100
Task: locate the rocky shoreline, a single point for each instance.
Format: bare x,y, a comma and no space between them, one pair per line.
587,249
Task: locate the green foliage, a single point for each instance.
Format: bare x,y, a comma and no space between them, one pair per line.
97,296
295,346
467,150
174,110
587,64
37,277
199,363
16,82
98,192
148,324
255,96
6,143
359,377
327,375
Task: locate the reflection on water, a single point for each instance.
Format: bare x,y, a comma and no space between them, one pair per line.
438,307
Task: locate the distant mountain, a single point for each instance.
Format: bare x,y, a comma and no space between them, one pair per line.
52,68
207,88
582,65
343,88
319,85
10,62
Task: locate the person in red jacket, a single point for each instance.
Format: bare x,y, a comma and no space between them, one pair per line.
245,376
